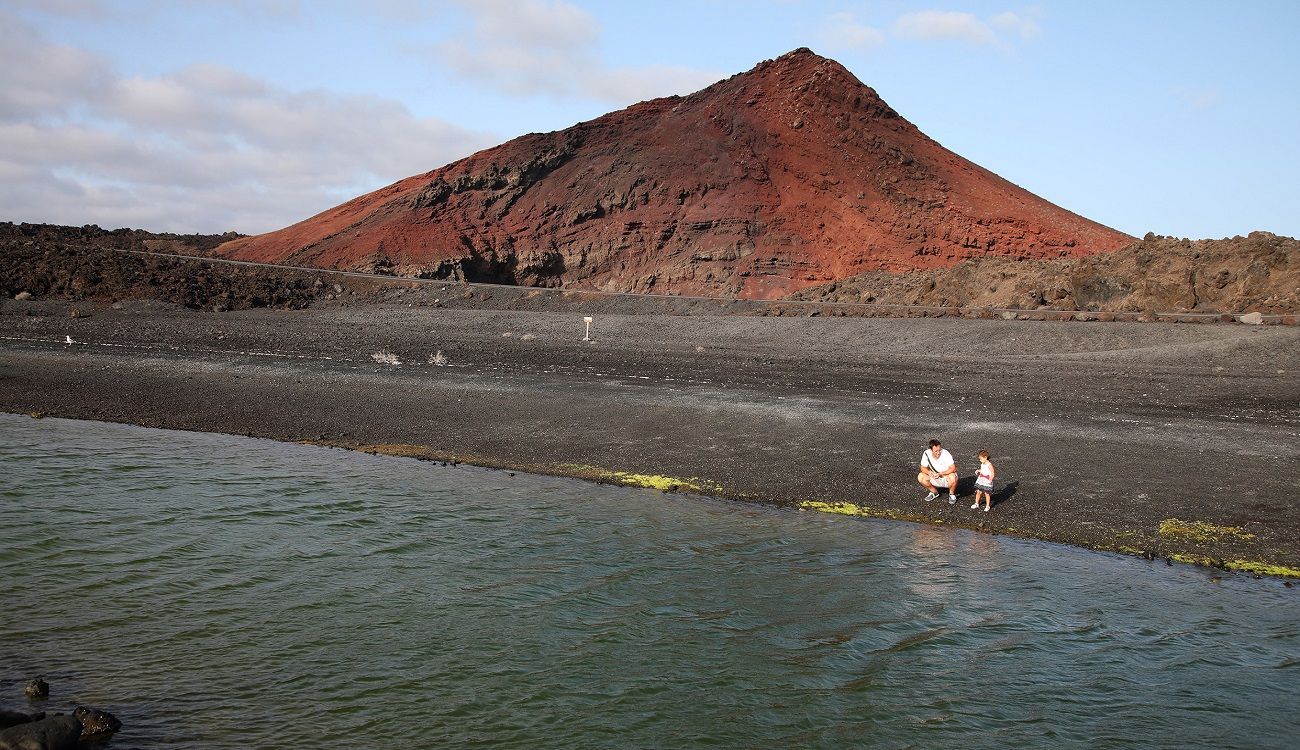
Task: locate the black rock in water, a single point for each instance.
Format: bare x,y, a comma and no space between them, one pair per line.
95,722
37,688
59,732
14,718
55,733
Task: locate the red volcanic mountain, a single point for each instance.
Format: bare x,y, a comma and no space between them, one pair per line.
789,175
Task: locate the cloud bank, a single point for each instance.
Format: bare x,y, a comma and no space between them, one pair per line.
208,148
843,30
938,25
205,148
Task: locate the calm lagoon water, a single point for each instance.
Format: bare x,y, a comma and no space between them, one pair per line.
222,592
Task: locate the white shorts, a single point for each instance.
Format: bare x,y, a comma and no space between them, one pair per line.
939,481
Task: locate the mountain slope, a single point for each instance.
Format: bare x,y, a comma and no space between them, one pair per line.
787,176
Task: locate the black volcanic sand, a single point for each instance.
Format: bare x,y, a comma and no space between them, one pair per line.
1169,441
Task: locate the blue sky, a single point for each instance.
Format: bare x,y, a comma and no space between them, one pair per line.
1180,118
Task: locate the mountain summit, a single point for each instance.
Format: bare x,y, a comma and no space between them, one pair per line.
789,175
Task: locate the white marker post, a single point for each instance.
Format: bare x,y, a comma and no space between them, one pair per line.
587,336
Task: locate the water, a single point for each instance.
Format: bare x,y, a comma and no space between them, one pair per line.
215,591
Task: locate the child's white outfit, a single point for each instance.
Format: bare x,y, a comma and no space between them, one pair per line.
984,481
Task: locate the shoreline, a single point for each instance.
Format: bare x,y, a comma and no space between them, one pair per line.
824,414
702,489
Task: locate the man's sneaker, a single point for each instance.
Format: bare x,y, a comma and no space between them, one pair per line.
931,496
952,499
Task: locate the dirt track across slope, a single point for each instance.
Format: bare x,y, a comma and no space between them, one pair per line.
1176,441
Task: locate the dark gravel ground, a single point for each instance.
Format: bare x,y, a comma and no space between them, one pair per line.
1101,432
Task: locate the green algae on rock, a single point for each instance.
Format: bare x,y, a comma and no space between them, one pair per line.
1200,531
649,481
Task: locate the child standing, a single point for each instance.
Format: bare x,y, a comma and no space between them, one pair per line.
984,482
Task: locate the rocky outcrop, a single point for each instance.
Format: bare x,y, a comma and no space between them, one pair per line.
1259,272
60,732
10,718
87,263
53,733
787,176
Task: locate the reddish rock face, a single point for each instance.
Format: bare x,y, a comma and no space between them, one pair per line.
789,175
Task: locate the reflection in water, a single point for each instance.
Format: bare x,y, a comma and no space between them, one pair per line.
221,592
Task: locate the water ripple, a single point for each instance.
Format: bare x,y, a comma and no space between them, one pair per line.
220,592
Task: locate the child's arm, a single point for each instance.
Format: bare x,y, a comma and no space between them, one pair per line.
993,472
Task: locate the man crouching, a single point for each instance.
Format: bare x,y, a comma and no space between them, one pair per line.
938,470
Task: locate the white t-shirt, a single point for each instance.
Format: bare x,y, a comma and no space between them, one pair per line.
941,464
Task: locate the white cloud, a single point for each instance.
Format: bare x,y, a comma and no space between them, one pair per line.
843,31
1022,25
205,148
940,25
555,24
954,26
42,78
549,47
